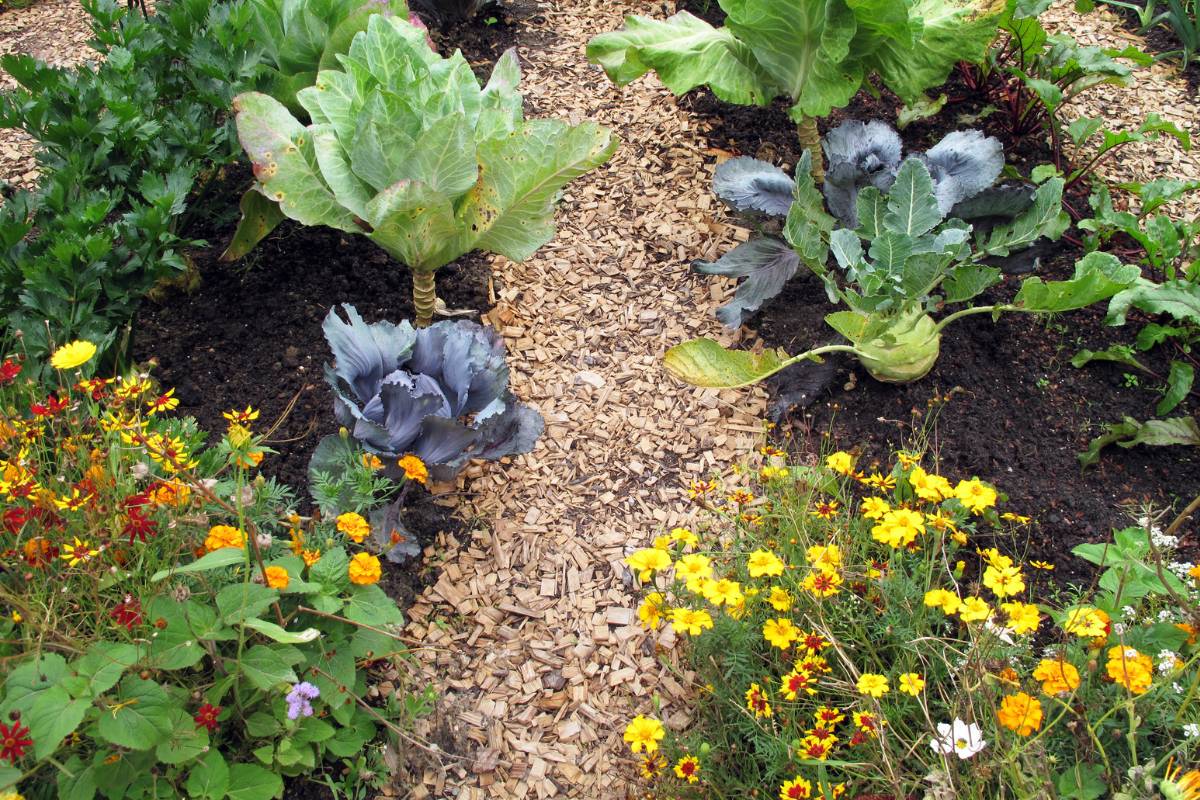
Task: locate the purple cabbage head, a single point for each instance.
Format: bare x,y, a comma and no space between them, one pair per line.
440,392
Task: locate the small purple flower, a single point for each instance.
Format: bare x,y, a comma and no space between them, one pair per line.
300,698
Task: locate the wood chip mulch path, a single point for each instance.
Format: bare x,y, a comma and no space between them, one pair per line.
531,630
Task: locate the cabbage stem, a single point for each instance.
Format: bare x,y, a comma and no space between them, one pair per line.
424,297
808,355
966,312
810,140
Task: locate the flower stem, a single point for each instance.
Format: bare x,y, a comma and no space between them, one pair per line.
424,297
810,140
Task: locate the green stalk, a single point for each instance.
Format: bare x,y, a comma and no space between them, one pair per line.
424,297
810,140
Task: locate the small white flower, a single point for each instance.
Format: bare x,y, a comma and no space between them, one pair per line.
1177,688
1165,615
1119,628
140,471
1191,730
960,738
1167,662
263,540
1128,612
999,632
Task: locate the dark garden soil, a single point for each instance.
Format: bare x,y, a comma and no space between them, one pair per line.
1003,401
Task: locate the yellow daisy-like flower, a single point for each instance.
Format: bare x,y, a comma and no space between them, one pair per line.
780,599
822,583
690,620
911,683
1020,713
872,684
276,577
930,488
354,526
974,609
874,508
310,557
688,769
769,473
796,789
824,556
975,495
688,538
693,569
1022,617
825,509
414,469
724,592
650,612
1004,581
364,570
1046,565
796,682
947,601
73,355
764,562
647,561
1086,622
756,701
899,528
840,462
79,552
780,632
644,733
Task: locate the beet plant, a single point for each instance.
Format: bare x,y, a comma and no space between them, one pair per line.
905,259
817,53
407,149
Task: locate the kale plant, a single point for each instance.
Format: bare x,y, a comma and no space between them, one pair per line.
906,259
817,53
440,393
407,149
963,166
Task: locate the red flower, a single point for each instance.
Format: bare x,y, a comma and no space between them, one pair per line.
128,612
52,406
15,519
9,371
138,526
14,740
206,717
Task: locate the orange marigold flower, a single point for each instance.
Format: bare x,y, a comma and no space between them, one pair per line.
1020,713
414,469
276,577
354,526
221,536
364,569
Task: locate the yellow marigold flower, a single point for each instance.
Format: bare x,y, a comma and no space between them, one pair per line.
877,481
1017,518
828,717
248,460
930,488
310,556
756,701
241,417
764,562
688,538
354,526
975,495
650,610
1042,565
780,632
1129,668
741,497
652,765
693,569
796,682
874,507
840,462
1022,617
364,569
824,556
647,561
662,542
276,577
796,789
1057,676
644,733
947,601
780,599
769,473
995,558
690,620
724,591
974,609
73,355
1004,581
907,460
899,528
164,402
414,469
825,509
911,683
872,684
822,583
171,493
220,536
1086,622
79,552
1020,713
1190,630
1194,573
688,769
372,461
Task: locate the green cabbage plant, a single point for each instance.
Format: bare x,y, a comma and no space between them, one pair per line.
407,149
817,53
905,260
300,37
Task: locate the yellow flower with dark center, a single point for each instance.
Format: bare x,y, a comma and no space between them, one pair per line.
874,507
651,610
872,684
241,417
364,569
164,402
79,552
73,355
840,462
825,509
1129,668
796,682
644,733
354,526
796,789
1042,565
647,561
827,716
822,583
1020,713
1022,617
764,562
414,469
975,495
1004,581
974,609
221,536
911,683
780,632
907,460
756,701
652,765
691,621
877,481
276,577
688,769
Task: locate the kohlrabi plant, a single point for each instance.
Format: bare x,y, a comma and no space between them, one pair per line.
407,149
439,393
300,37
905,259
963,166
817,53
